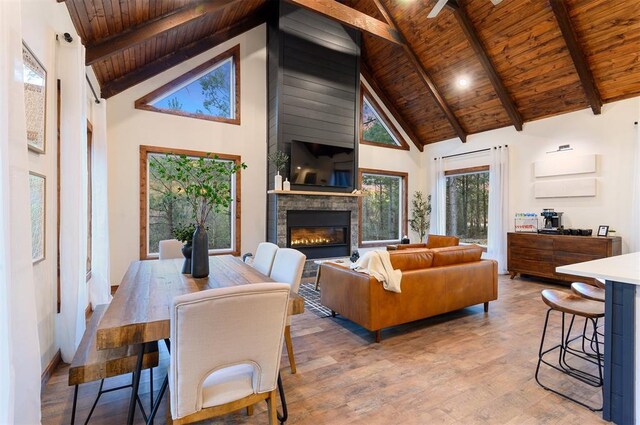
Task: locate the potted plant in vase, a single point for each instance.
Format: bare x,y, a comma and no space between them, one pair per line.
184,233
421,213
279,160
204,183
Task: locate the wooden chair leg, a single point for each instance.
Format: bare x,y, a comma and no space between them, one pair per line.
287,339
272,408
250,410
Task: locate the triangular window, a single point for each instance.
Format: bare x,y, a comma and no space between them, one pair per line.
376,128
210,91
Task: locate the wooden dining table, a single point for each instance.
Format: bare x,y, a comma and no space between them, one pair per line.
140,310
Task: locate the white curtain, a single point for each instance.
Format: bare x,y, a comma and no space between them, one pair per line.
73,196
498,207
634,242
19,347
438,199
100,285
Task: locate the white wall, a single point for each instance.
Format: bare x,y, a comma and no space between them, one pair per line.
128,128
610,136
39,35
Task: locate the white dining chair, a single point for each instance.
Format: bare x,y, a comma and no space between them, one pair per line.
287,267
263,260
226,345
170,248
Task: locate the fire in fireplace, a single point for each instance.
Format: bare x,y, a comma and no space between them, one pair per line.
319,234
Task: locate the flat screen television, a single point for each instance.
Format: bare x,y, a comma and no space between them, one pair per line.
315,164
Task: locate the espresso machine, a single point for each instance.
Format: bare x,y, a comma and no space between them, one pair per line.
552,222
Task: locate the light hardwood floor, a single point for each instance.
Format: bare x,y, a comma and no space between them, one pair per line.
467,367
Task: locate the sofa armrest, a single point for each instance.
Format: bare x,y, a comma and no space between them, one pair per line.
346,292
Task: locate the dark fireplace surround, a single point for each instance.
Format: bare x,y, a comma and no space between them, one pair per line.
319,233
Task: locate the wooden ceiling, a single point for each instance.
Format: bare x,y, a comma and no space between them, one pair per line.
524,59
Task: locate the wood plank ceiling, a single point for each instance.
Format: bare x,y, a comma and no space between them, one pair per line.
523,59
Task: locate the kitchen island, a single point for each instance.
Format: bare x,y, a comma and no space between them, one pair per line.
622,346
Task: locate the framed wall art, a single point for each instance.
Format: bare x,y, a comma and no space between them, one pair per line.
37,192
35,99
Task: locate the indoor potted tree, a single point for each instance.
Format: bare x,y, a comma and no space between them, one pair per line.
204,183
421,212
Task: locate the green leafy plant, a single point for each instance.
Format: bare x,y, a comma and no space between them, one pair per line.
421,214
184,233
204,181
279,159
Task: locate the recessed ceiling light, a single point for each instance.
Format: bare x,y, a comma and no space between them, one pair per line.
463,82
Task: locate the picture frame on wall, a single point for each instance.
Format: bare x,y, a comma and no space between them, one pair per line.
603,230
35,100
37,194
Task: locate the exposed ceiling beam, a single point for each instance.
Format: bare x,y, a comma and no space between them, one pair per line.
460,12
147,30
368,75
351,17
160,65
424,75
579,59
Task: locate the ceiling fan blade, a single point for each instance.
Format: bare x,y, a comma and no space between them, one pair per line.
437,8
496,2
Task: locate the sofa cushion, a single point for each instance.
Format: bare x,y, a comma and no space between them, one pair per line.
411,259
456,255
440,241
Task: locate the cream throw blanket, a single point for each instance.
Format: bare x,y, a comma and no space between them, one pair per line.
378,265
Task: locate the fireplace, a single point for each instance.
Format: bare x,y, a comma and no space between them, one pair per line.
319,234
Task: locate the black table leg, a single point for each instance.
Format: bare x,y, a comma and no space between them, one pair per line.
136,384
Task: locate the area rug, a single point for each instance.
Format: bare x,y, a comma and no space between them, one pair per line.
312,299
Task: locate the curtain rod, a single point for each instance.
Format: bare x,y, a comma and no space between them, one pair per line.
469,153
95,96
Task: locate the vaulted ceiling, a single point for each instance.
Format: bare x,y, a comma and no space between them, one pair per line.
521,60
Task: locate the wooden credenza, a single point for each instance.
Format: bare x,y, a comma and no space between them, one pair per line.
538,254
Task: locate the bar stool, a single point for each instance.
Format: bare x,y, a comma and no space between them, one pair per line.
587,291
594,293
574,305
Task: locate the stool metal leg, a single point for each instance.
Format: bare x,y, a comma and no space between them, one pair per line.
587,378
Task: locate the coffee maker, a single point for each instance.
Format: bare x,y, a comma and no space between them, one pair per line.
552,221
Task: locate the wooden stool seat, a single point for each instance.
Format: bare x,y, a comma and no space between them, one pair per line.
90,364
570,303
588,291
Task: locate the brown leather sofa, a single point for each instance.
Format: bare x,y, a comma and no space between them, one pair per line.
433,241
434,281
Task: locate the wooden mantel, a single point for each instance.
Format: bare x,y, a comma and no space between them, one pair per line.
308,192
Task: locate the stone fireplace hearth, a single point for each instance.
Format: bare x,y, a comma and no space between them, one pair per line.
322,225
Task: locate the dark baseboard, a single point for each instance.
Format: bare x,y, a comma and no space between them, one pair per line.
51,367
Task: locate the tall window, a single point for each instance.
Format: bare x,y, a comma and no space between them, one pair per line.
375,127
211,91
384,206
468,204
161,211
